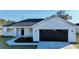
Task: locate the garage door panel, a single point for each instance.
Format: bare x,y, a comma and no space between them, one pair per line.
53,35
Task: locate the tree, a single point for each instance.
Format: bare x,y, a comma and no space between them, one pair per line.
2,22
5,22
63,15
10,22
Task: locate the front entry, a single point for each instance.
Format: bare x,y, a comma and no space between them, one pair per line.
22,31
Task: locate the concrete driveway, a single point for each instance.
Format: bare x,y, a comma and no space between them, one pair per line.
55,45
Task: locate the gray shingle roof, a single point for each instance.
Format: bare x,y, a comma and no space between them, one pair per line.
26,22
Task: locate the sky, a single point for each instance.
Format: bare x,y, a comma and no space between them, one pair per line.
16,15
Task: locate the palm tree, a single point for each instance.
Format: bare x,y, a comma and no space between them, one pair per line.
63,15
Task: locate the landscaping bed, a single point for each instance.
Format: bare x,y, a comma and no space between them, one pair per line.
25,40
4,45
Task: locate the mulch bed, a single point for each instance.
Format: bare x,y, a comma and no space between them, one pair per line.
25,40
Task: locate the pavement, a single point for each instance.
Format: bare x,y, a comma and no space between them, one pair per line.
1,45
55,45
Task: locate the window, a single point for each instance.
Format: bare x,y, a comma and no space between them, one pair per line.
9,29
30,30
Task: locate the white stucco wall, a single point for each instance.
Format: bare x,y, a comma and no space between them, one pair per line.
5,33
28,32
17,32
55,23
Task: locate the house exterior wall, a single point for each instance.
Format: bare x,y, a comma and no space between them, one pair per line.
55,23
17,31
28,32
5,33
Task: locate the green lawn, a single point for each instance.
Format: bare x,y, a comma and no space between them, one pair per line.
4,45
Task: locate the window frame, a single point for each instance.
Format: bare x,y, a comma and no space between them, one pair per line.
9,29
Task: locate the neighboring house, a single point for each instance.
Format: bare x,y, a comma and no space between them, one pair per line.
77,25
52,28
1,30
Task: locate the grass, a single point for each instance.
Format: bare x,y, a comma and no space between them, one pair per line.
4,45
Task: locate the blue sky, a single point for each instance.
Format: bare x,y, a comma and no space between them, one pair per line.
16,15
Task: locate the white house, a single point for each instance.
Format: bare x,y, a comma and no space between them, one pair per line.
52,28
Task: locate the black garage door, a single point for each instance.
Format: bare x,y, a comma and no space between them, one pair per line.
54,35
